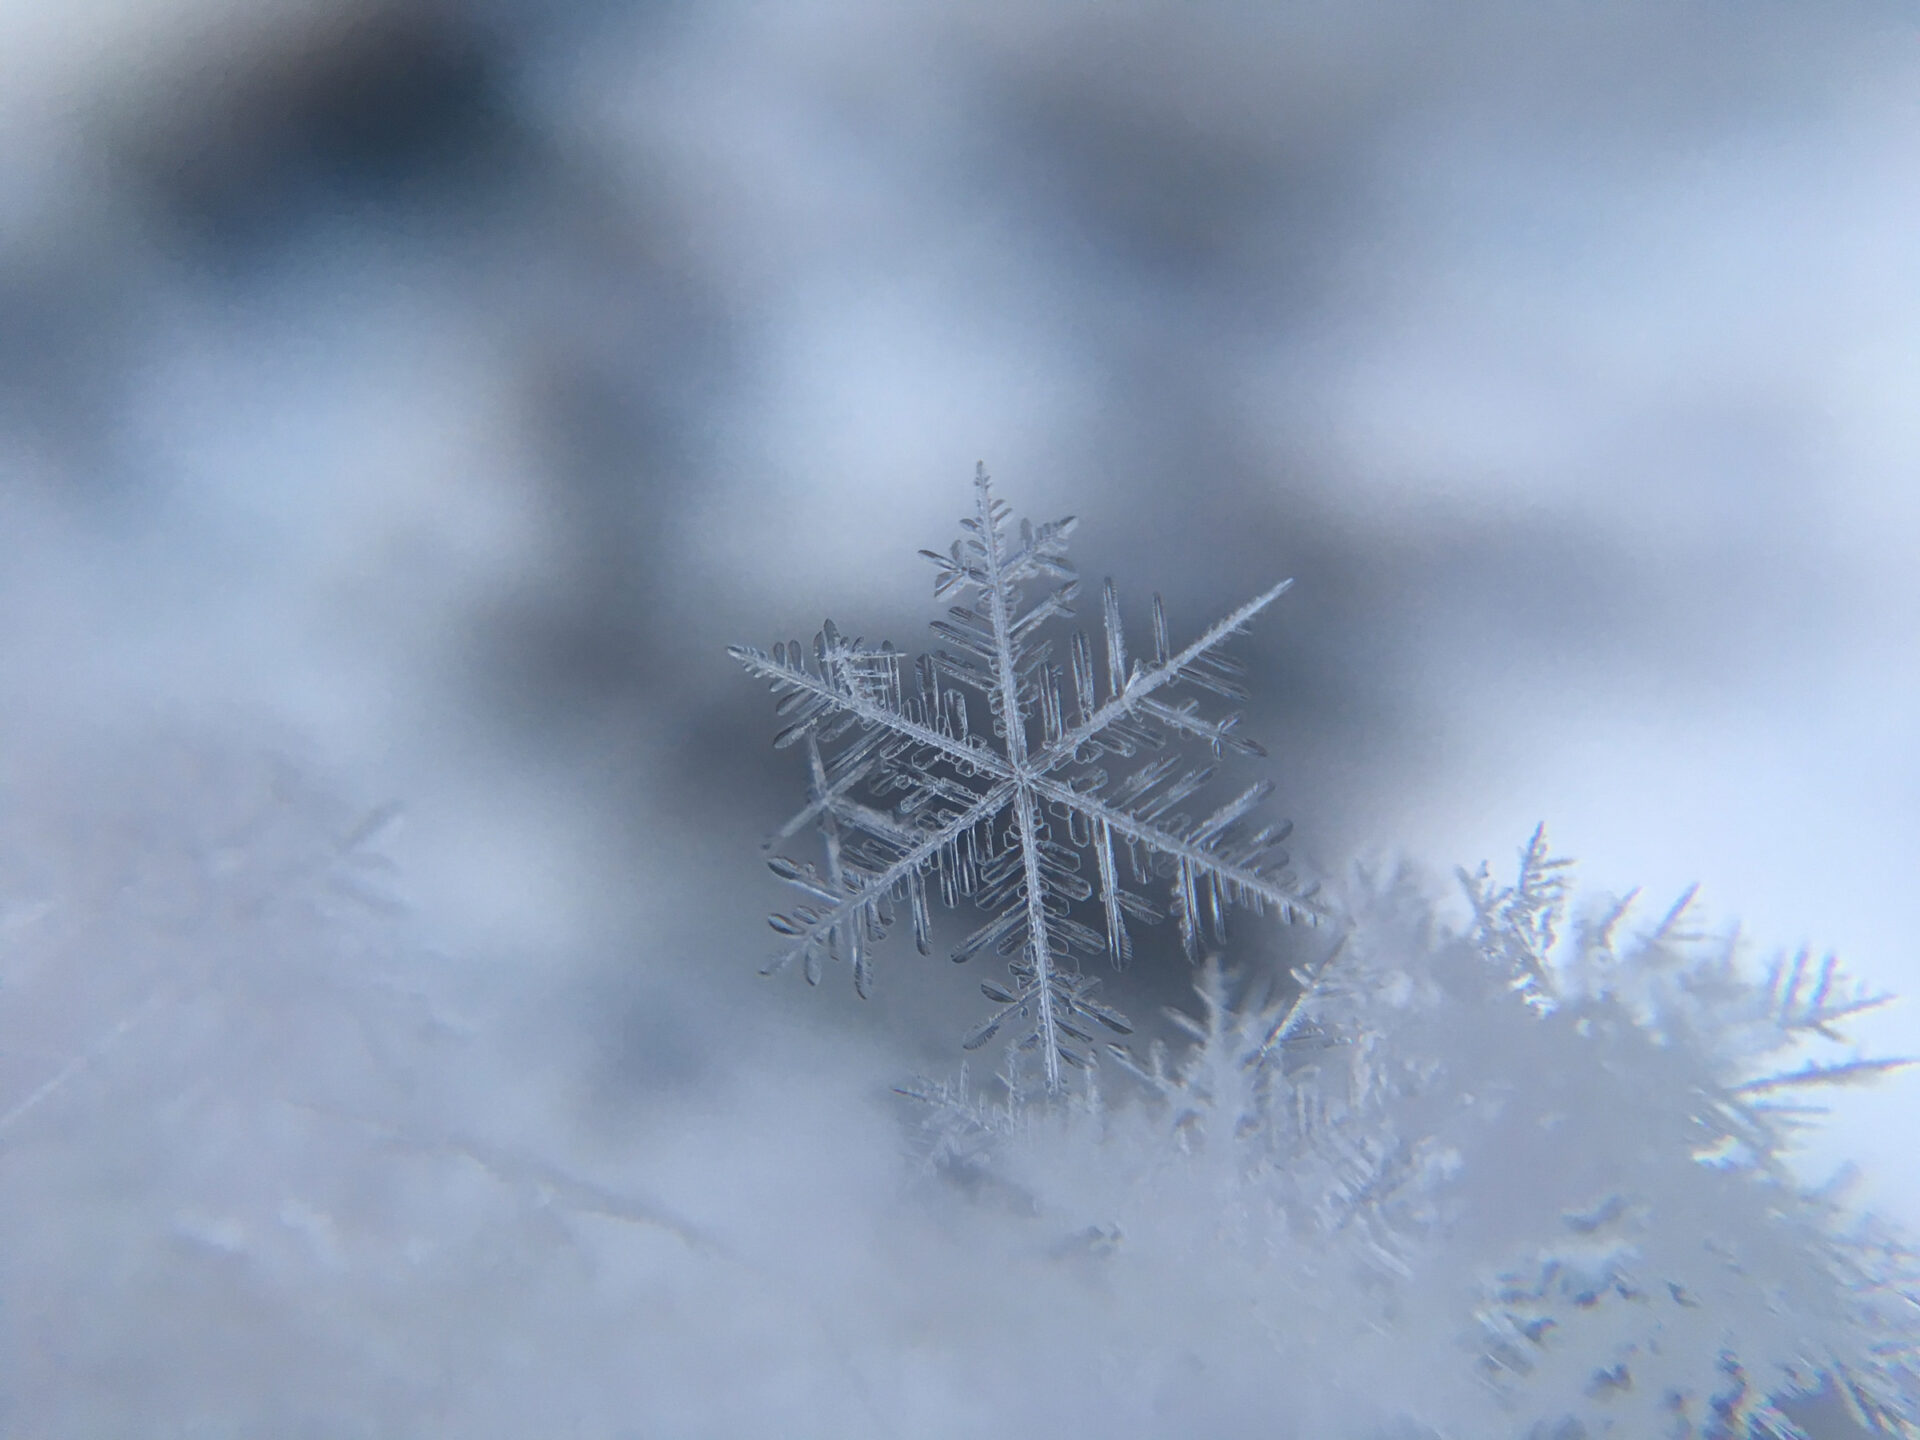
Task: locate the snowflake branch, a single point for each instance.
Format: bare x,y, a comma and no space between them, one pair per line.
1144,681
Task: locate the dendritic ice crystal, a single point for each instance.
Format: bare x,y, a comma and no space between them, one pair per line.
1066,811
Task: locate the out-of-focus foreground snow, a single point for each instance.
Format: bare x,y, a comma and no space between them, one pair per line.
425,393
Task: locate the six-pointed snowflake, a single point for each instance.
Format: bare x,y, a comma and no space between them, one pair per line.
1073,801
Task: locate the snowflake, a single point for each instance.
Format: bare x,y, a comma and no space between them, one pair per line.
1030,826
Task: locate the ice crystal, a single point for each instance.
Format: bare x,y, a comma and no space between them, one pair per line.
1027,821
1523,1179
1686,1282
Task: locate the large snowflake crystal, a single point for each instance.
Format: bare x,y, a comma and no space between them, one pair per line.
1030,825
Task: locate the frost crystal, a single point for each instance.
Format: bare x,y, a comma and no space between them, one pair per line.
909,798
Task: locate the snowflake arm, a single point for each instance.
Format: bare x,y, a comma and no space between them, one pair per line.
812,696
1131,694
858,912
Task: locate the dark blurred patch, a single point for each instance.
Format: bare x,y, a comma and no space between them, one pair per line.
618,408
1173,201
403,103
62,313
648,1041
1195,226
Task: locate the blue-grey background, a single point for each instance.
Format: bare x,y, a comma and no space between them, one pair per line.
434,389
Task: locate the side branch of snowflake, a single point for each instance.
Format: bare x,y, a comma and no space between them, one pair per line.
1068,800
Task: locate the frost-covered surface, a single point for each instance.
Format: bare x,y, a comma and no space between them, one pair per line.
1033,823
1467,1184
274,1165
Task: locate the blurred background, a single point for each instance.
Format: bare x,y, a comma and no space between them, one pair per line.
438,386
